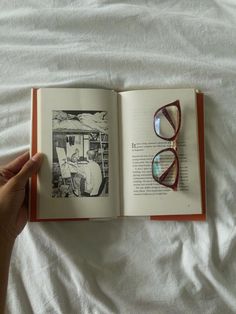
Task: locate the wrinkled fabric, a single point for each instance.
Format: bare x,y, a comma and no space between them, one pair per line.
133,265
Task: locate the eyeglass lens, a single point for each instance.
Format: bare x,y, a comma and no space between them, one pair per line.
166,122
164,167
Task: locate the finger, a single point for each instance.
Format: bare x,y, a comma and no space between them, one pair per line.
5,175
30,167
15,165
8,171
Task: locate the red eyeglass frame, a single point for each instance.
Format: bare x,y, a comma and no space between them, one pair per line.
173,139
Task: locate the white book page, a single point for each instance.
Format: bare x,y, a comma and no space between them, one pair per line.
72,122
142,195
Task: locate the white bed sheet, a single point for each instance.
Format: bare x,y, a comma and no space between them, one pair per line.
131,266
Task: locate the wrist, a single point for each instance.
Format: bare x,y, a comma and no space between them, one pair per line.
6,246
7,240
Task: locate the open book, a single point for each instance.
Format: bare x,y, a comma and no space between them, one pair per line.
100,148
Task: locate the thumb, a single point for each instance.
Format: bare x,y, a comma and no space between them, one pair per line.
30,167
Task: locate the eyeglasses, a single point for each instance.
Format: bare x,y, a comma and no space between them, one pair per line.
165,164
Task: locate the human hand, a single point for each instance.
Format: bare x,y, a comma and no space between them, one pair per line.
13,181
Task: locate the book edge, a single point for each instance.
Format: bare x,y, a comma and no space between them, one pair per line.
34,148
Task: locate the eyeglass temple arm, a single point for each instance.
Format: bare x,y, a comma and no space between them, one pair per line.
168,117
165,174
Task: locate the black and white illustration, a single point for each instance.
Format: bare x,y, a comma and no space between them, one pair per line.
80,153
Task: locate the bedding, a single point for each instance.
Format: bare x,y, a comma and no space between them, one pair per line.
133,265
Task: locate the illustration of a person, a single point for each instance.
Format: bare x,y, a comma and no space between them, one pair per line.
93,174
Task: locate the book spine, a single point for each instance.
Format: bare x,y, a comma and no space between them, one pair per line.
33,140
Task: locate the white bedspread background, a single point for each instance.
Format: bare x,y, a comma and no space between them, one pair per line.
134,265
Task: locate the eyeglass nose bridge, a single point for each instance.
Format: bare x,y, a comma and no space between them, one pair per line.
174,145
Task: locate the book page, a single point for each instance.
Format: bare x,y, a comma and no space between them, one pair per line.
142,195
78,134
